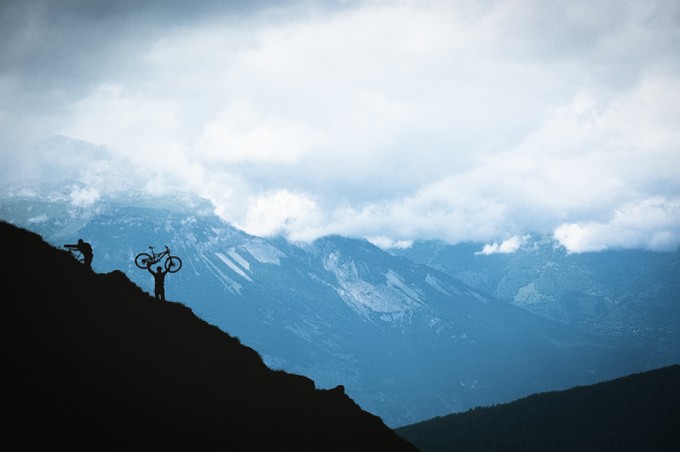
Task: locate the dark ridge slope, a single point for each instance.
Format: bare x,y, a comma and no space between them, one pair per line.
90,362
634,413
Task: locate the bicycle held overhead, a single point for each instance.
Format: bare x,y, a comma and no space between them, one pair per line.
145,260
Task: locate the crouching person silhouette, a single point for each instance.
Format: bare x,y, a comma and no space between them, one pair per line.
85,249
159,282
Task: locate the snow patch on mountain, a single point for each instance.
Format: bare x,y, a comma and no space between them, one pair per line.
394,280
434,282
264,252
239,259
231,285
38,219
232,265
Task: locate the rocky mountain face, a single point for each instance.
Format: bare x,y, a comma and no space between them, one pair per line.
408,338
91,362
630,294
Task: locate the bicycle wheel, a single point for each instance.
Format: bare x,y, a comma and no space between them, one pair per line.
143,260
173,264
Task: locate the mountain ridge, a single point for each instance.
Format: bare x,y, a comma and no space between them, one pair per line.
407,341
631,413
618,293
93,361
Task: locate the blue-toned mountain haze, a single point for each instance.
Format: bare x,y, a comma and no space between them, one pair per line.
436,204
409,341
617,292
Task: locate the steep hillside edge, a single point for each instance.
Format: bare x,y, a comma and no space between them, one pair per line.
92,361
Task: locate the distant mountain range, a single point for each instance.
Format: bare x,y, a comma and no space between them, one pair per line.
410,334
91,362
633,413
631,294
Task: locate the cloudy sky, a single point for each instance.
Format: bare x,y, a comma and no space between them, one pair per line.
391,120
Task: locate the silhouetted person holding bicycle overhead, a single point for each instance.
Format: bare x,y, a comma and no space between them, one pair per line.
171,263
85,249
159,279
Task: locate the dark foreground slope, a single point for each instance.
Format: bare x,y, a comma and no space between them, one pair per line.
90,362
634,413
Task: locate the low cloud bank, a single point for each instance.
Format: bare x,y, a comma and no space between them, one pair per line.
652,224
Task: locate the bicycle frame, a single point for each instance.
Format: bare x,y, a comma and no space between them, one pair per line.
156,257
145,260
77,255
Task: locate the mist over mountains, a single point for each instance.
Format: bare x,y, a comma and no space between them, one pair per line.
407,340
411,333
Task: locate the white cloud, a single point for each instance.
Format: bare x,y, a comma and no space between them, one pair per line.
84,197
389,243
240,134
652,223
143,129
457,120
280,212
507,246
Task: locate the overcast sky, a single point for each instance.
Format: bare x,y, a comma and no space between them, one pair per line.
391,120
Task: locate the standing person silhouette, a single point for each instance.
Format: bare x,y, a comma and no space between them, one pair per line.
86,250
159,282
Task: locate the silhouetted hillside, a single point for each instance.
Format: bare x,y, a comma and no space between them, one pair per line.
91,362
634,413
